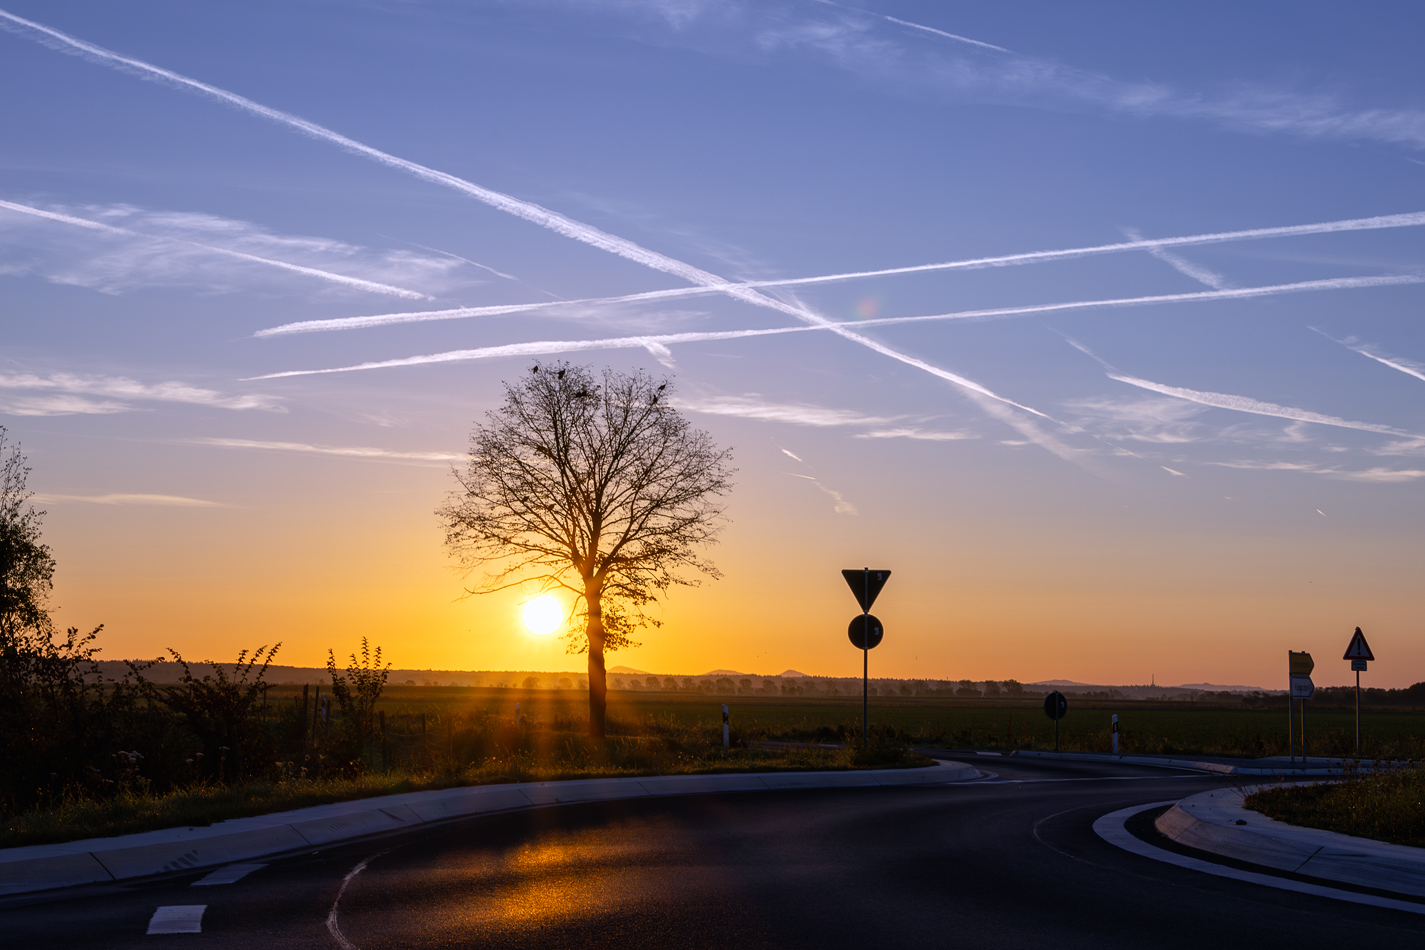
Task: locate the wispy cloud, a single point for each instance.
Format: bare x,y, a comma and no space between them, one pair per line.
1162,421
1253,406
860,43
166,501
1415,219
791,455
160,248
1379,476
350,451
753,407
913,433
72,388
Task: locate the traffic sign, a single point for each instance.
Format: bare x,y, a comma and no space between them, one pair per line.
1300,663
1055,705
1358,665
1359,649
866,584
858,632
1301,686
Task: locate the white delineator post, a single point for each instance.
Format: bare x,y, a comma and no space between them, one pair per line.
1115,733
726,735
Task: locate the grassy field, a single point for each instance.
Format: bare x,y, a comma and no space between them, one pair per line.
1226,729
438,737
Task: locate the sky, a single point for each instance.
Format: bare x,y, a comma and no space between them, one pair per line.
1097,325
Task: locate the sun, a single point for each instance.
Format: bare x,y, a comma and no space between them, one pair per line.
543,615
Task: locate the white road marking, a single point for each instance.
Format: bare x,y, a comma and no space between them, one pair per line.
332,926
1110,828
178,919
228,875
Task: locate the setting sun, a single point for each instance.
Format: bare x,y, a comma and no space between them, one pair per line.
543,615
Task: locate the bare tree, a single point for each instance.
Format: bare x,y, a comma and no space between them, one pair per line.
600,488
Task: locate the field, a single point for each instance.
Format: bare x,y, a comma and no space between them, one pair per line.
1224,729
427,737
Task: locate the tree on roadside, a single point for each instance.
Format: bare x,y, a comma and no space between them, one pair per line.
595,486
26,565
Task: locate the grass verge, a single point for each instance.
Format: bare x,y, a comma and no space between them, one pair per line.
74,816
1384,806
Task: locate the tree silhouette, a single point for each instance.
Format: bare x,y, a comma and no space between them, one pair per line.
597,487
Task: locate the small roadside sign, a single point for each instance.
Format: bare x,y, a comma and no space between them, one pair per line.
1358,666
865,632
866,584
1358,649
1301,686
1055,705
1300,663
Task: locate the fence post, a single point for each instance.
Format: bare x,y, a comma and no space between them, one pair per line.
385,746
1115,733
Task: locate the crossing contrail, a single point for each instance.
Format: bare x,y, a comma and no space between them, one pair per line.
356,282
1413,219
1236,293
552,220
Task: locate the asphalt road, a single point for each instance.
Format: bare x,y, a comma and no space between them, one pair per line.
1011,862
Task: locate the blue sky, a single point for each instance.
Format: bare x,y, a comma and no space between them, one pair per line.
1171,459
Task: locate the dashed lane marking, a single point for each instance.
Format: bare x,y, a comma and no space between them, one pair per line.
228,875
178,919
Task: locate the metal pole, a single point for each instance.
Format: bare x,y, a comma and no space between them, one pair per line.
1290,724
1358,714
865,652
1056,733
1303,732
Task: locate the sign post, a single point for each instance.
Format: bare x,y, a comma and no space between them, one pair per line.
865,631
1299,667
726,735
1358,651
1055,706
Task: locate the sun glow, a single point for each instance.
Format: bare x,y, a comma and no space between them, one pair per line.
543,615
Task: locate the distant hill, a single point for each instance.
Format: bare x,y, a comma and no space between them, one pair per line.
793,673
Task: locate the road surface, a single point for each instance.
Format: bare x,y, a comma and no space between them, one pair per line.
1007,862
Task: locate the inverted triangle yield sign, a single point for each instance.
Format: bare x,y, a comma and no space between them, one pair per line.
865,584
1359,648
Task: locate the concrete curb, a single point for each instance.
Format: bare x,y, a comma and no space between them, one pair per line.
1220,768
1217,822
104,860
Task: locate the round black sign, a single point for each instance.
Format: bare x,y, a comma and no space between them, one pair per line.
1055,705
858,632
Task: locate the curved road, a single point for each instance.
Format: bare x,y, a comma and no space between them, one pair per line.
1007,862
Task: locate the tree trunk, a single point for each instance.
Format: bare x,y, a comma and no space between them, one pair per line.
598,684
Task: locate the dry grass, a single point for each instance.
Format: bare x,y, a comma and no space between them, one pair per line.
546,756
1385,806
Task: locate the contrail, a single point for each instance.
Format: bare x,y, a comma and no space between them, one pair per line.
355,282
1246,404
543,348
521,209
1408,367
917,26
1307,286
1181,264
1414,219
526,210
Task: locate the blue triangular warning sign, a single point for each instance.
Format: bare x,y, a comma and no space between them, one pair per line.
1359,648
